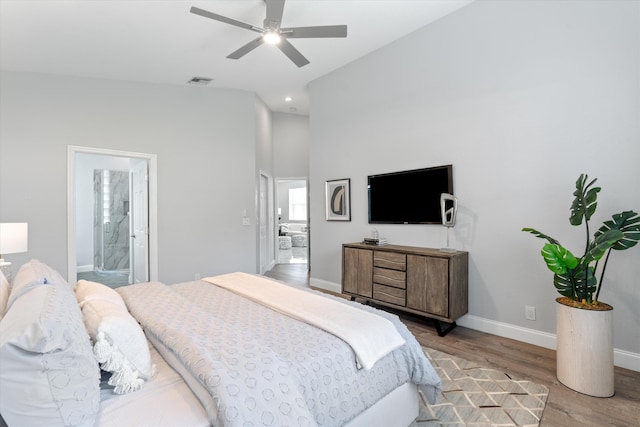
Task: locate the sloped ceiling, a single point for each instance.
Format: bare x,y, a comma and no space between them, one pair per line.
162,42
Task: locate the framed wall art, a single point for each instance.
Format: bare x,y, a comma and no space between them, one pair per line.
338,200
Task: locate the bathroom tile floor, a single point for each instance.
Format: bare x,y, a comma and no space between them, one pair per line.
112,279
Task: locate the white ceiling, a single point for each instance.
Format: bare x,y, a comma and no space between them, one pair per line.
162,42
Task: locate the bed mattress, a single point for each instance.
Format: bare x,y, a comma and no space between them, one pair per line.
165,401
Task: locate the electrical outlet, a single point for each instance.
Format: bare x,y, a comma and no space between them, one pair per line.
245,221
196,276
529,312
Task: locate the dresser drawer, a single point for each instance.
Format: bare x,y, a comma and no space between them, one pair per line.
391,260
385,276
389,294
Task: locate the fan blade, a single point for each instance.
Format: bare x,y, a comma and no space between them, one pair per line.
315,32
293,53
224,19
275,8
246,48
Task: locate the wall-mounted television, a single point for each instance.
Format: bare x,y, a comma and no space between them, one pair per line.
409,197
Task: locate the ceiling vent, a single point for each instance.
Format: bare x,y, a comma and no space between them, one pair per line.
199,81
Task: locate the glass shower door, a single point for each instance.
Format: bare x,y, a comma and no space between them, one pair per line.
111,220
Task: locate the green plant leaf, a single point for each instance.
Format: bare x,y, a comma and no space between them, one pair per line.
540,235
578,283
563,285
558,258
585,201
628,222
600,244
584,279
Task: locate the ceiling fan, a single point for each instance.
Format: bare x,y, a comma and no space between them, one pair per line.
272,33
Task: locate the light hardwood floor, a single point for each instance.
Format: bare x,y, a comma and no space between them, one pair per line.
565,407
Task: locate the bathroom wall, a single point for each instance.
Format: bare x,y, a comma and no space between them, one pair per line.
111,220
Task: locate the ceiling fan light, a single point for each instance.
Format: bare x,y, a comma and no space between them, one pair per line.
271,37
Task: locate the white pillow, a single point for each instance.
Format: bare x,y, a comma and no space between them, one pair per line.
30,275
48,373
5,289
120,345
87,291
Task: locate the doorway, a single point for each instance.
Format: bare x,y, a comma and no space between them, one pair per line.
108,206
111,216
293,221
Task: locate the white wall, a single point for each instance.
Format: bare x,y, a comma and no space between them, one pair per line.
521,97
205,141
290,145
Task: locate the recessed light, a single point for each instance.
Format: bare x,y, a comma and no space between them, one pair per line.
288,99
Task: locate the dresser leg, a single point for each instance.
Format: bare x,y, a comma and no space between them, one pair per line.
445,331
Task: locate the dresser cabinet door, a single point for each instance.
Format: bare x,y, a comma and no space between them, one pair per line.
357,272
428,284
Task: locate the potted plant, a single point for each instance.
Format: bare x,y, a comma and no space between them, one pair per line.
584,326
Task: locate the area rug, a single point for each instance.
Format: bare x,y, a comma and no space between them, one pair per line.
476,396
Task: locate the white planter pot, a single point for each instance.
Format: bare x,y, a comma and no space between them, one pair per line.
585,350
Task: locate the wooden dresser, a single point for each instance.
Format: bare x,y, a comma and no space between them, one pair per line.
423,281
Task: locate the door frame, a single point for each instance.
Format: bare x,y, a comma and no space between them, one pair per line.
266,258
72,150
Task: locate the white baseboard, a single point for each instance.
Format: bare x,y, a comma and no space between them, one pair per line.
622,358
269,266
507,330
626,359
84,268
324,284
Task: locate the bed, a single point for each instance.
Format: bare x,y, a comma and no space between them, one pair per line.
229,350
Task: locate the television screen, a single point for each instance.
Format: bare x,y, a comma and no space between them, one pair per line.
409,197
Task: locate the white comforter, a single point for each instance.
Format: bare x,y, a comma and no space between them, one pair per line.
370,336
260,366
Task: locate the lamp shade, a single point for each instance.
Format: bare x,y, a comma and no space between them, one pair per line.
14,237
